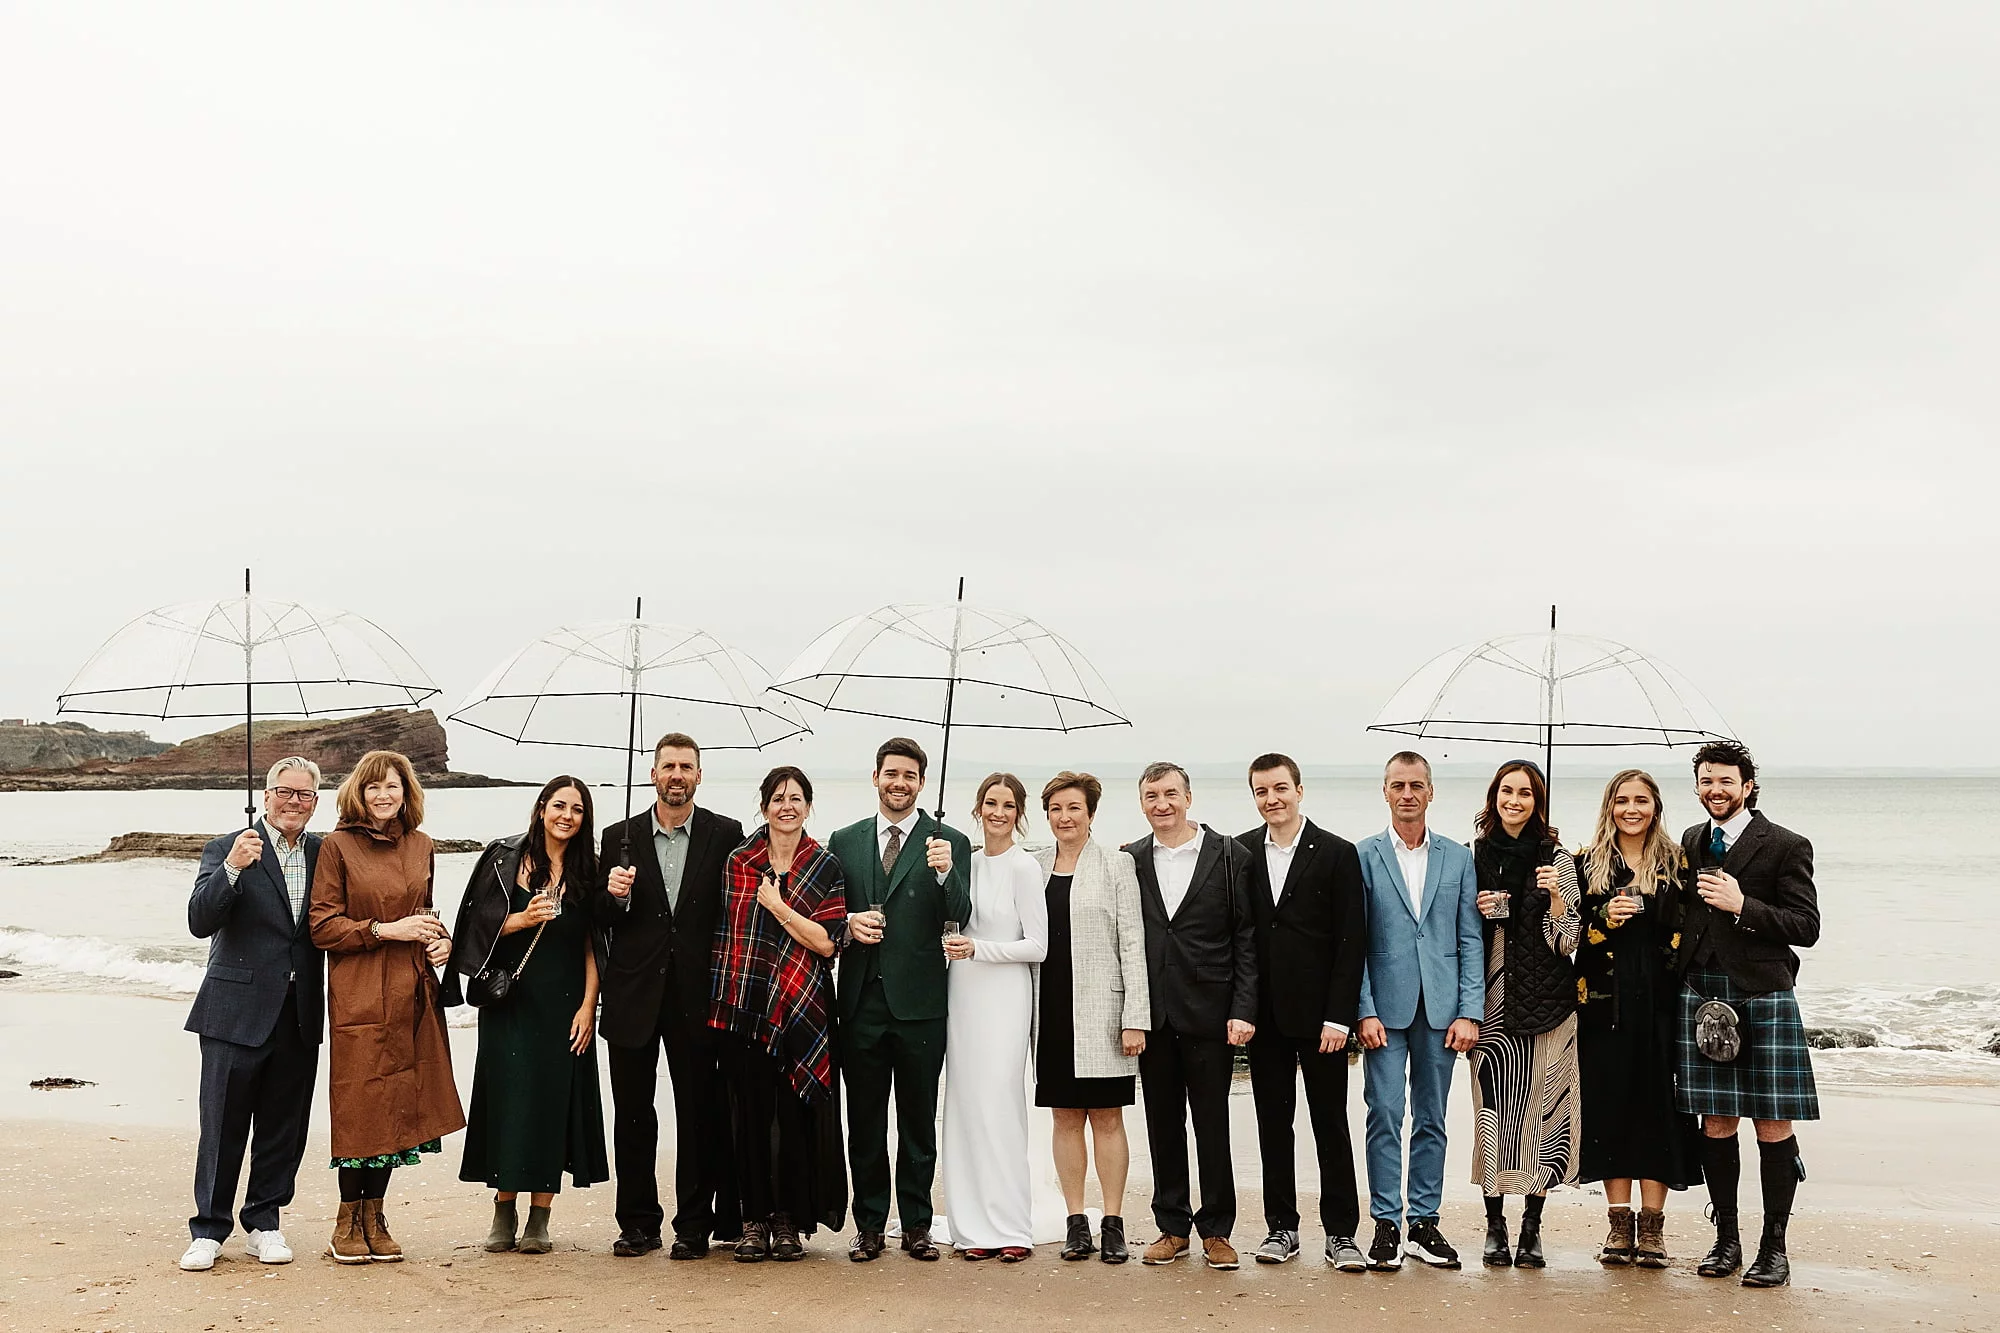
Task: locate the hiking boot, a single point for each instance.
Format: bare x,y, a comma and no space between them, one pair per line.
1618,1246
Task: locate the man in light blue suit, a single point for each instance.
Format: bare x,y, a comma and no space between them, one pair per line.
1424,969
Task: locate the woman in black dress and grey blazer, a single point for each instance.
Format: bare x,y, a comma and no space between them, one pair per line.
1092,1008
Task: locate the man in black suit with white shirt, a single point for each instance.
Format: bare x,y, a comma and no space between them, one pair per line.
1312,939
659,896
1201,966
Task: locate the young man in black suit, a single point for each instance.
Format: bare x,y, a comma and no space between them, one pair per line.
659,896
1754,903
1312,939
1201,966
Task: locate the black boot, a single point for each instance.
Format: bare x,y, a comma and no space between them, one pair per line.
1079,1245
1111,1240
1495,1254
1727,1254
1528,1251
1771,1268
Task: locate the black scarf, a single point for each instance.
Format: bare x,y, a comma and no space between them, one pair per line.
1540,983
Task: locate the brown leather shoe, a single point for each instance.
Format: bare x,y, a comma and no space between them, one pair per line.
1218,1253
1651,1250
382,1246
349,1245
919,1245
1165,1250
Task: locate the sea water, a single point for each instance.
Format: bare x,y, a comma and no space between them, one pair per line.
1903,980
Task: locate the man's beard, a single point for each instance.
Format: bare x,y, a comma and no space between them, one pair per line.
675,796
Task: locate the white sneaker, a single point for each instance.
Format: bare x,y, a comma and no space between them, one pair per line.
268,1247
200,1256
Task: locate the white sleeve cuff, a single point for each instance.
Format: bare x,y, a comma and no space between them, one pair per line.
232,872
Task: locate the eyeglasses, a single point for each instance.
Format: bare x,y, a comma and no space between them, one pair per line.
304,796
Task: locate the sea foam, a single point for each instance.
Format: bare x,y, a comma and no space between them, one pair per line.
86,962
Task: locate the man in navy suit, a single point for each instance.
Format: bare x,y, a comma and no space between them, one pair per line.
259,1013
1424,969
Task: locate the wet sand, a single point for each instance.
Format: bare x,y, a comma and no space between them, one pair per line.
1896,1230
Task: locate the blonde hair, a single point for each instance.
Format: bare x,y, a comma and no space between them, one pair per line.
1660,858
372,768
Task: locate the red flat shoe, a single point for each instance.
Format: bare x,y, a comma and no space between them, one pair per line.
975,1255
1014,1254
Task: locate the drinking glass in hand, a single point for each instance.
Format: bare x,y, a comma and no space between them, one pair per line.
950,929
1632,895
1501,906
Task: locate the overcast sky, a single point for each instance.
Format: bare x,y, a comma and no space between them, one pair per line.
1264,350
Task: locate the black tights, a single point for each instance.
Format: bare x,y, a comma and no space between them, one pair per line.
1530,1207
364,1182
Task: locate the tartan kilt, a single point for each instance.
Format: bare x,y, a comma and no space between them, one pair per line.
1772,1079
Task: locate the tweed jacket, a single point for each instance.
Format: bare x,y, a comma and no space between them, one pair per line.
255,947
1107,952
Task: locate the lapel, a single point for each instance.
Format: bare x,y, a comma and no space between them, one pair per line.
698,836
1433,873
1384,847
911,855
1745,847
1204,865
645,860
1301,858
1141,853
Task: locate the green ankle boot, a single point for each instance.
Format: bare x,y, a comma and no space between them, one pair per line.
505,1221
535,1236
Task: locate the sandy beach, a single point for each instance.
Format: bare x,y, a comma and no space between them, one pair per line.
1895,1230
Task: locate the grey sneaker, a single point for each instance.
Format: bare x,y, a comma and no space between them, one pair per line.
1278,1248
1345,1255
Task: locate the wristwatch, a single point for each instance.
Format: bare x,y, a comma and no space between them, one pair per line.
375,929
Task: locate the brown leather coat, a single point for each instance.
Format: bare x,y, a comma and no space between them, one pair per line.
389,1059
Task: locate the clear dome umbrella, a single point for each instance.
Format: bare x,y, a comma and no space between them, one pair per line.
1551,689
246,657
602,686
951,665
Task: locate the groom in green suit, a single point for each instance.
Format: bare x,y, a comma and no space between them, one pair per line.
906,876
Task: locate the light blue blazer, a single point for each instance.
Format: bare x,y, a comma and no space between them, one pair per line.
1438,949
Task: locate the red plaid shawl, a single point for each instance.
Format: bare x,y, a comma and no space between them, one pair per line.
766,985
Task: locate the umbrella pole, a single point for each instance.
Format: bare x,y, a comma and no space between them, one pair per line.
632,723
950,687
249,717
1549,716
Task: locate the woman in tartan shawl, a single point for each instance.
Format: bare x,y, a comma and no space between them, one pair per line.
784,918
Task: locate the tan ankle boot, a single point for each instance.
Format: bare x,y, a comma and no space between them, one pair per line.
349,1245
1618,1241
1652,1251
382,1246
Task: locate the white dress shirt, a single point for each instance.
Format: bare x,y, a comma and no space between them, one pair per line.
1278,859
908,823
1415,863
1733,829
1174,868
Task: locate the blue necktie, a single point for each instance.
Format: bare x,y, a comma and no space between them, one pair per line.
1718,846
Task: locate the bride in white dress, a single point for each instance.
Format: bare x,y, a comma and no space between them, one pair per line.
988,1182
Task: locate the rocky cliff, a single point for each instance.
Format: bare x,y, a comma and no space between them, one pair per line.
215,761
60,746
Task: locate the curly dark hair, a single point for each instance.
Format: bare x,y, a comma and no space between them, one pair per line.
1733,754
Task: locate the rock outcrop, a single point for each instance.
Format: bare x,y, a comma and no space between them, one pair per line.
187,847
335,744
215,762
63,746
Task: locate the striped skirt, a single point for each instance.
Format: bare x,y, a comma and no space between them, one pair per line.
1525,1099
1772,1079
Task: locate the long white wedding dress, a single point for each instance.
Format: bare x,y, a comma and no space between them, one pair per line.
990,1178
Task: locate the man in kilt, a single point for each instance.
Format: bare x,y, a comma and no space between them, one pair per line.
1754,903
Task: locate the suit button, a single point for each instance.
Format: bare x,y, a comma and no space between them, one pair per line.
663,971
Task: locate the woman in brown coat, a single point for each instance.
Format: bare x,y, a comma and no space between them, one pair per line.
392,1092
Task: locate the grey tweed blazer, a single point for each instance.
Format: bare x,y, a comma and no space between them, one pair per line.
1107,952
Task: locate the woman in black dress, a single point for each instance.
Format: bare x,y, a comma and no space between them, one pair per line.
1631,875
1092,1009
536,1111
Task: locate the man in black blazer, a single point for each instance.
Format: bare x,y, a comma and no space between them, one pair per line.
1312,939
259,1014
1201,966
659,898
1754,903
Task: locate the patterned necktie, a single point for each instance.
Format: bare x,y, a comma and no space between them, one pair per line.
1718,846
892,849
